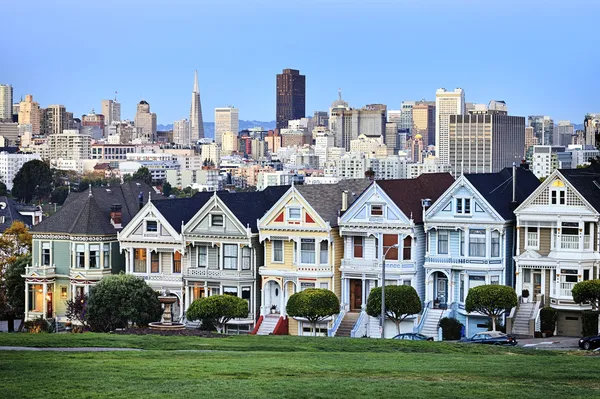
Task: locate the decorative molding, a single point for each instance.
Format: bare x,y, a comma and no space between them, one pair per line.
68,237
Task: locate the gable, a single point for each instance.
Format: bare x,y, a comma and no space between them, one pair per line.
374,206
292,211
149,224
214,218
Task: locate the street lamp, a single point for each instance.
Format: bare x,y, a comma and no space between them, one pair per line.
383,290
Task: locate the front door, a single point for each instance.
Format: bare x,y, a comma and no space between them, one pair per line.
442,288
537,283
355,294
49,309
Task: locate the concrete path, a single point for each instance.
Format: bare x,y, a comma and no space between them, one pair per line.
562,343
90,349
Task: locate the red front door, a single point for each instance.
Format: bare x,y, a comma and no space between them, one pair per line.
355,294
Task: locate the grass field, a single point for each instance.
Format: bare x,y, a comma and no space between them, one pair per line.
293,367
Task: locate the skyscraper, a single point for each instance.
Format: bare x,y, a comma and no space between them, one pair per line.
182,132
406,117
543,129
196,124
446,103
146,120
6,103
291,97
423,119
591,125
347,124
563,133
111,109
226,120
54,119
30,114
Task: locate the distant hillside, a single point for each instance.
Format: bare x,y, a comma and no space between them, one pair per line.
209,127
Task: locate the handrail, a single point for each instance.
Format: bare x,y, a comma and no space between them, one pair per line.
358,324
257,326
423,317
336,323
533,319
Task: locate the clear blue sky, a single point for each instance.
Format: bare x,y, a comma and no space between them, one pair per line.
540,56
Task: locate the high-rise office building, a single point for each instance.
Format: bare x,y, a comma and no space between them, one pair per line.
563,133
591,126
530,139
93,120
406,116
227,119
290,97
30,114
6,103
543,129
196,122
485,141
320,118
446,103
423,119
145,120
347,124
182,132
55,119
111,109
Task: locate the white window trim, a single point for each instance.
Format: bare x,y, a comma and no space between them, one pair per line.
198,256
527,241
159,262
282,252
371,210
42,253
210,219
462,200
316,253
287,213
146,231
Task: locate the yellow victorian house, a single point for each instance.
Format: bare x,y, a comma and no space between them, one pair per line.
303,249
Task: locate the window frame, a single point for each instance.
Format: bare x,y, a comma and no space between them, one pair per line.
154,261
96,257
106,256
446,233
360,246
379,212
215,216
288,213
478,245
388,253
144,258
198,255
225,256
324,252
308,252
147,225
246,258
174,261
495,246
49,254
274,251
80,256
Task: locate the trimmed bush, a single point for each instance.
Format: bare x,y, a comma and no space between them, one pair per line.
589,321
313,304
548,318
401,301
491,300
451,329
217,310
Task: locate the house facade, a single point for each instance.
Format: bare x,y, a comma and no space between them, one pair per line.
77,246
303,249
385,226
557,243
470,231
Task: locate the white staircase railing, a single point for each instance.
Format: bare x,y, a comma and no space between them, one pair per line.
360,327
336,323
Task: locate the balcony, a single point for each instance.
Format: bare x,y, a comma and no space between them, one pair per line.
163,277
565,289
571,242
374,265
203,272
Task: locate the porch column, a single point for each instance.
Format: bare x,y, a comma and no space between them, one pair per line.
517,250
581,234
281,299
131,254
44,302
519,277
26,299
362,299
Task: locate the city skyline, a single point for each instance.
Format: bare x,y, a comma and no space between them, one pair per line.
557,89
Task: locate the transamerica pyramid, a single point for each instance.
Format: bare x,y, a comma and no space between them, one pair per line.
196,125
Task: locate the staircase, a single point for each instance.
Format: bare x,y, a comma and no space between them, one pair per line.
520,326
430,325
268,324
347,324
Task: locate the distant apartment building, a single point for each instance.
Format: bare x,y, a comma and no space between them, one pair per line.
278,178
563,133
111,109
545,159
229,143
295,137
10,164
9,133
290,97
211,153
226,120
347,124
543,129
369,145
54,120
93,120
69,145
352,165
30,114
111,152
485,142
591,126
530,139
392,130
446,103
6,103
430,164
423,119
182,132
145,120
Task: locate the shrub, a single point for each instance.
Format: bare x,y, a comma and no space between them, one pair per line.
401,301
491,300
38,325
587,291
589,321
119,300
313,304
451,329
548,318
217,310
77,309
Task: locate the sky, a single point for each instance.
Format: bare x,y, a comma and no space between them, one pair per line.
540,56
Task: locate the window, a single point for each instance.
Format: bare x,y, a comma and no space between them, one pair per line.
324,286
139,260
532,237
406,282
36,298
80,256
216,220
462,288
495,243
106,249
442,241
527,275
324,253
151,226
459,207
467,206
277,251
569,275
494,280
407,251
476,281
307,251
233,291
63,292
246,295
586,274
557,197
202,256
358,244
154,262
294,214
376,210
304,286
461,234
477,242
463,206
94,256
246,258
230,254
45,254
389,240
176,262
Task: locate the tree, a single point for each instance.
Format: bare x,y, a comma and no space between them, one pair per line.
401,301
59,195
588,291
166,189
77,309
218,309
313,304
33,180
142,174
120,300
14,302
14,242
491,300
3,189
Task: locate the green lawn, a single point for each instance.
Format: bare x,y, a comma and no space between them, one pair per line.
273,366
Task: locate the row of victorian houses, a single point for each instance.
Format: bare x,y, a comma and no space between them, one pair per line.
440,235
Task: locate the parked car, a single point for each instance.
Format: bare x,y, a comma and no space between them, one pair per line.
413,337
589,343
491,338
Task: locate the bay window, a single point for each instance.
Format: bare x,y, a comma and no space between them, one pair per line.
106,250
80,256
307,251
202,256
154,262
246,258
45,254
495,244
176,262
324,253
94,256
477,242
36,298
407,250
358,246
230,255
389,240
139,260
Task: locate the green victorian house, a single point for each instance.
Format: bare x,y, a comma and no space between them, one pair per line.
77,246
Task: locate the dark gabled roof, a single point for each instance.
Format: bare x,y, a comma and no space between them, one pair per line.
408,193
9,210
496,188
587,182
326,199
180,210
85,214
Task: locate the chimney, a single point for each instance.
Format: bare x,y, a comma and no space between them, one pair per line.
344,201
514,182
141,199
116,215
